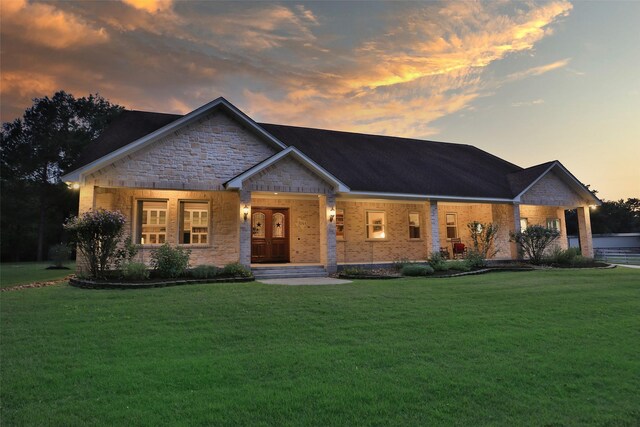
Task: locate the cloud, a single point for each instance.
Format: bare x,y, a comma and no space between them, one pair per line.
46,25
151,6
528,103
414,64
536,71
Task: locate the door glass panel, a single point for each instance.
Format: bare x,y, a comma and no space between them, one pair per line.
278,225
257,225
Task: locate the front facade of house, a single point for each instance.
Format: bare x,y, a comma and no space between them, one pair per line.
233,190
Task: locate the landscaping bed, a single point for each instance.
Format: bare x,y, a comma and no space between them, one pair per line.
152,283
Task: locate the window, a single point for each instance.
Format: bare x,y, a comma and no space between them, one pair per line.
414,225
524,223
452,226
376,224
194,223
152,220
340,223
553,223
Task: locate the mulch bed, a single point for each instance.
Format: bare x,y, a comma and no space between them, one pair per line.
153,283
37,284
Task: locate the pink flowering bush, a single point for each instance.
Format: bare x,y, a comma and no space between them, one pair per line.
97,235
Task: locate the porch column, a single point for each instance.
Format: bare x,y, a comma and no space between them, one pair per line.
87,202
584,229
515,248
245,229
435,228
328,233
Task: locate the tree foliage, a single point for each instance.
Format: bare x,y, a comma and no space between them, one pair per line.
35,150
534,240
613,216
483,237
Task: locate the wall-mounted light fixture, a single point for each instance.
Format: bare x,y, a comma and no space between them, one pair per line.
73,185
593,207
245,212
332,214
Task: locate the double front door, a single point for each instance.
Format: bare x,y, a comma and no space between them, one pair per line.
270,235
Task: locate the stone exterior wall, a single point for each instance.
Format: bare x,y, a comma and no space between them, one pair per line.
200,156
552,191
355,248
304,227
288,175
223,246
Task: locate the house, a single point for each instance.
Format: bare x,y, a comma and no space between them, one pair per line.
232,189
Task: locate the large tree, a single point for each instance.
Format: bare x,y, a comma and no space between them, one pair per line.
613,216
36,150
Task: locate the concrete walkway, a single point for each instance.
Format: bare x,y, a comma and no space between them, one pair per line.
627,265
305,281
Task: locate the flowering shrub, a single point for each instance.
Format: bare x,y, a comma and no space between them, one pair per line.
170,262
534,240
97,235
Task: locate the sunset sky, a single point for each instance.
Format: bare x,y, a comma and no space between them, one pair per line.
527,81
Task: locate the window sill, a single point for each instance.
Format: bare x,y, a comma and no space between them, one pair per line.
194,246
415,240
377,240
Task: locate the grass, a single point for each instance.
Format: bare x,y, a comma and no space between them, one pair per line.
20,273
533,348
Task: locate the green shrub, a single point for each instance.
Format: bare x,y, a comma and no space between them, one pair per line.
97,235
534,240
437,262
399,263
581,261
562,257
170,262
135,271
235,269
459,266
416,270
475,259
59,254
126,253
483,237
205,271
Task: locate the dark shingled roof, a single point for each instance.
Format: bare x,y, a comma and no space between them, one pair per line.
363,162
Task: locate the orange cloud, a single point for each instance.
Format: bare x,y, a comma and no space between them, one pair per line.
46,25
151,6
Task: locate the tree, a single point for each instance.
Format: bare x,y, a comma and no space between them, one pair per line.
483,237
611,217
534,240
36,150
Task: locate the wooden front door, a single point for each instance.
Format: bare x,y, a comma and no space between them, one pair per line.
270,235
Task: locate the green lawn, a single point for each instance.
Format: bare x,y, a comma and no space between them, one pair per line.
20,273
529,348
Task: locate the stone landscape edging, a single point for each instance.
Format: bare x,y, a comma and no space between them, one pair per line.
92,284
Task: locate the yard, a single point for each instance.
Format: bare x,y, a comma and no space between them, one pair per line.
537,348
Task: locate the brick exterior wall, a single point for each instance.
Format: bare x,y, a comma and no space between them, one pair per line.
355,248
288,175
200,156
223,246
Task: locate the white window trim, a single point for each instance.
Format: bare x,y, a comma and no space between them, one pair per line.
419,226
551,219
384,225
446,225
343,237
209,222
137,225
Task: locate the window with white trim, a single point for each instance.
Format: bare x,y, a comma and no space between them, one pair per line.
452,225
524,223
553,223
414,225
194,223
340,223
152,222
376,225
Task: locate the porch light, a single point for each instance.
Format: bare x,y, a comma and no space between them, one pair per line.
593,207
245,212
332,214
73,185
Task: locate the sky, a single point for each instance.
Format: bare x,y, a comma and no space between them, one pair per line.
528,81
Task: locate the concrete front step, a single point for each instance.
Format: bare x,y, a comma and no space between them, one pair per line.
272,272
